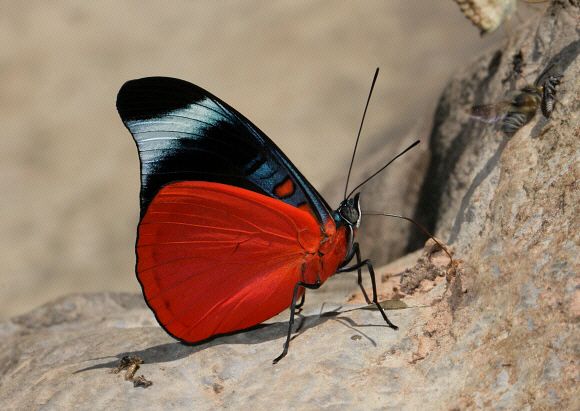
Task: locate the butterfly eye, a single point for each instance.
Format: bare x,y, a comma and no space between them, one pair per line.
353,216
350,212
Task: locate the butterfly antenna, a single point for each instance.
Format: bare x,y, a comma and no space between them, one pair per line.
419,226
360,130
383,167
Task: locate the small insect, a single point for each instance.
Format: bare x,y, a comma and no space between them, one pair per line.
516,112
518,63
549,94
511,114
131,363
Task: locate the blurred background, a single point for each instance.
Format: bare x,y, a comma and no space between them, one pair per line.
300,70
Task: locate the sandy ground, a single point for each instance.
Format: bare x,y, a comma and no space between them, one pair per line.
299,69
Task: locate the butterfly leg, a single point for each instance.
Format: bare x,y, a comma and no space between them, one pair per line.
375,301
292,312
356,248
301,303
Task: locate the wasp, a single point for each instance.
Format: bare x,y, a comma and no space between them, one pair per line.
512,114
549,94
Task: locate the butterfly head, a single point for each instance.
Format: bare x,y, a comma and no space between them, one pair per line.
349,211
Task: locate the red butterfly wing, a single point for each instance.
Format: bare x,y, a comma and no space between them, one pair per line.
215,258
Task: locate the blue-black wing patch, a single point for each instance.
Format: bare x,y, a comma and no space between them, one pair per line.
184,133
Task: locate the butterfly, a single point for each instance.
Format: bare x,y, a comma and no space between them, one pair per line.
230,232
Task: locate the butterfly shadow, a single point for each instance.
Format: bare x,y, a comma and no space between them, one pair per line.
173,351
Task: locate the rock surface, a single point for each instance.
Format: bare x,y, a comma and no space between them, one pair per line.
61,357
497,329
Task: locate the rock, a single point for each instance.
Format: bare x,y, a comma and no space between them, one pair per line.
509,207
467,156
73,353
496,328
433,263
62,356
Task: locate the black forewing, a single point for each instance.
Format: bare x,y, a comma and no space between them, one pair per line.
185,133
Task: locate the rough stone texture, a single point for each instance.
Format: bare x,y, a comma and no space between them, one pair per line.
427,267
498,330
61,356
467,156
509,206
